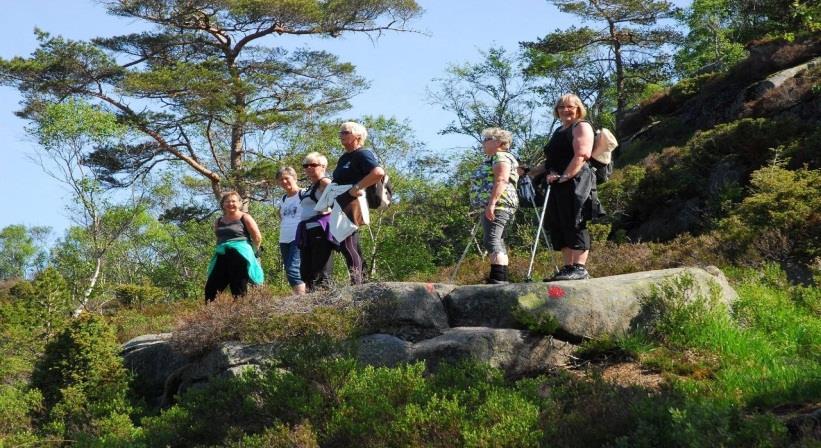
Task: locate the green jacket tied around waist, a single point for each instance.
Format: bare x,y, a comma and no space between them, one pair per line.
255,273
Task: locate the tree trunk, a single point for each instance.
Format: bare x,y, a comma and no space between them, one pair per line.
621,101
92,282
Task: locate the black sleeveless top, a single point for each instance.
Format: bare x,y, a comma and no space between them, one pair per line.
559,150
233,230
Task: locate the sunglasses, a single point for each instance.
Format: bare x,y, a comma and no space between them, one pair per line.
345,132
310,165
488,139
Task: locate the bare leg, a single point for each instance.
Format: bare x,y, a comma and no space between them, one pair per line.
579,256
499,258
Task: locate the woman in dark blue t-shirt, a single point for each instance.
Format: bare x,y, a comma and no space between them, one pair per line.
359,168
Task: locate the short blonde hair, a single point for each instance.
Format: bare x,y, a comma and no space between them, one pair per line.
570,99
355,129
227,195
315,157
286,171
500,135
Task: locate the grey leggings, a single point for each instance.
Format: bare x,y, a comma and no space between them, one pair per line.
494,231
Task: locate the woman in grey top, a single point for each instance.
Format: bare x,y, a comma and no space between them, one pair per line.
234,262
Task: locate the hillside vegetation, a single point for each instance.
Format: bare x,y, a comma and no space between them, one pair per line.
721,167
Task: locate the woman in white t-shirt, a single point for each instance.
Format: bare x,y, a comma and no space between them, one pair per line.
289,213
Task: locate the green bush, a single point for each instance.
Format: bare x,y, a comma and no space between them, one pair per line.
138,295
84,384
780,219
280,436
370,400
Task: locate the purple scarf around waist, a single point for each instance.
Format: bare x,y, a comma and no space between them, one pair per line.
302,231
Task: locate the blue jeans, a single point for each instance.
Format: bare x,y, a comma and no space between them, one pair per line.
290,259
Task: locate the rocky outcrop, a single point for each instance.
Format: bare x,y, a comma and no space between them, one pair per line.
435,323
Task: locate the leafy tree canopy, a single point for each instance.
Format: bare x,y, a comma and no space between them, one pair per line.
625,49
203,78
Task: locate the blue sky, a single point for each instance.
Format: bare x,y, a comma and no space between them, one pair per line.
399,67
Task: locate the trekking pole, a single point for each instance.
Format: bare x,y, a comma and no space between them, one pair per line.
467,247
538,232
536,213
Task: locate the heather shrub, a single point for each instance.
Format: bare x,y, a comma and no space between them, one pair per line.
370,400
260,318
280,436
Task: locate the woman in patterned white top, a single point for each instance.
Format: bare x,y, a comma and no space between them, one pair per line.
496,192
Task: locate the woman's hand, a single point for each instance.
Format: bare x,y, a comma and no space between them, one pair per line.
490,212
553,177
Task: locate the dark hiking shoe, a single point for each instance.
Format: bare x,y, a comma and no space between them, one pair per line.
561,274
578,272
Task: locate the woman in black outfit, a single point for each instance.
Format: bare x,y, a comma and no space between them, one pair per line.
573,201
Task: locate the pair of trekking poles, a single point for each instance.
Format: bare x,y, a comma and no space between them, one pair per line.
532,252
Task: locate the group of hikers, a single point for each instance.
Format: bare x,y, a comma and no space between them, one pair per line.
325,217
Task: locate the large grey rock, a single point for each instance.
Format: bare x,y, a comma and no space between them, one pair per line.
230,359
151,359
383,350
608,306
410,311
483,306
437,323
510,350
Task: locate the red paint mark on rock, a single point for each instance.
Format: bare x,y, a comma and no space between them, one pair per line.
555,292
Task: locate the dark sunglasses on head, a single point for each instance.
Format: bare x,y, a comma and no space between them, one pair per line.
488,139
312,165
345,132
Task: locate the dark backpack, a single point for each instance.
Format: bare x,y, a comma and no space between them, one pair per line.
380,195
530,196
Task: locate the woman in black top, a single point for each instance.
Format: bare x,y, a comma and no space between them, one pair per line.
359,168
570,205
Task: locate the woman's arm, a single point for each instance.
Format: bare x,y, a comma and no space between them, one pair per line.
253,230
372,177
501,173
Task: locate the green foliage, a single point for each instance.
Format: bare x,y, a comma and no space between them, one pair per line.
780,218
628,31
84,384
138,295
195,92
281,436
65,123
538,321
689,87
491,93
47,302
18,405
713,42
371,399
21,250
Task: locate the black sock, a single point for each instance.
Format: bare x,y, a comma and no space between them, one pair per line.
498,272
